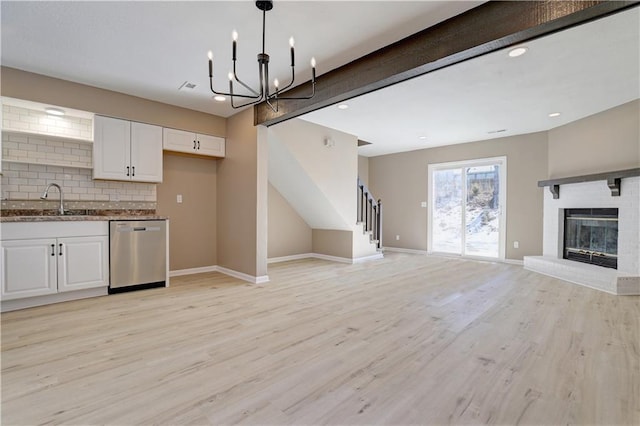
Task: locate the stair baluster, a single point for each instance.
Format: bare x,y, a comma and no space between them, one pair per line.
370,213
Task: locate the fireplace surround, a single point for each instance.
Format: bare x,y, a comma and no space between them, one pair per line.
577,196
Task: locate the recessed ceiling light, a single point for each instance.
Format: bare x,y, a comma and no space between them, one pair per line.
54,111
422,137
518,51
343,106
554,114
219,98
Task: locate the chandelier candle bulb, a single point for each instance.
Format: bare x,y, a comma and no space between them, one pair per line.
291,42
210,64
313,69
276,83
234,35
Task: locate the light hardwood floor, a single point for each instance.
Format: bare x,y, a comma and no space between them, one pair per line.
408,339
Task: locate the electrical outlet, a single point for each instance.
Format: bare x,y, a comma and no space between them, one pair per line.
516,244
423,204
397,237
179,198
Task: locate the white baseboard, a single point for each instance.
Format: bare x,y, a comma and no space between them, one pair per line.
242,276
514,262
191,271
376,256
214,268
325,257
289,258
30,302
404,250
332,258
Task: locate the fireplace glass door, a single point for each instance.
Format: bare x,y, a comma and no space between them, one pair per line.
591,236
466,204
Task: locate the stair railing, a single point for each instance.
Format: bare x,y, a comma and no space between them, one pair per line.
370,213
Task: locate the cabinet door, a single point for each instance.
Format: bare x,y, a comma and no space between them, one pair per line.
179,140
28,268
210,145
146,152
82,262
111,148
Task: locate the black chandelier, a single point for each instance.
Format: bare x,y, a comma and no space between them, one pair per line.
256,97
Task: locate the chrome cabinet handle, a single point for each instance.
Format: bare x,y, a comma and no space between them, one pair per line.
53,249
194,144
127,170
133,170
198,144
60,249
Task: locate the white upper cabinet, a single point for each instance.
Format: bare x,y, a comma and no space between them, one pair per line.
146,152
125,150
193,143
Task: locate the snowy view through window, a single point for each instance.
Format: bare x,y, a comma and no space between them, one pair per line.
480,204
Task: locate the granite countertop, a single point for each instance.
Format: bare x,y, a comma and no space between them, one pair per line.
77,215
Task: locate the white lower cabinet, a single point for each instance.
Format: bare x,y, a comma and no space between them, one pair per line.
82,262
29,268
32,266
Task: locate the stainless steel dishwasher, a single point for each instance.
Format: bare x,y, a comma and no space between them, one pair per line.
138,254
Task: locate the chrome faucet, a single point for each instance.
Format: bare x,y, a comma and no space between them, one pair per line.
46,192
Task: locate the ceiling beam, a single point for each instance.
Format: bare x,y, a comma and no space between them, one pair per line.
489,27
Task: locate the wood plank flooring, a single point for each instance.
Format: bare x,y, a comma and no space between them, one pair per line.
406,340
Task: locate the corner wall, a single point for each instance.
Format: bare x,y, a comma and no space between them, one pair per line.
241,204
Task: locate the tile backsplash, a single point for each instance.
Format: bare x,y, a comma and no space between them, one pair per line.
28,181
40,149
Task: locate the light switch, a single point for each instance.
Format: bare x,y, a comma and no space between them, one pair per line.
179,198
423,204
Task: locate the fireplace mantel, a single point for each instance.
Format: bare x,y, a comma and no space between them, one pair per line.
613,181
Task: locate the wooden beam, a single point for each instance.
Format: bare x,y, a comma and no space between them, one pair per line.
489,27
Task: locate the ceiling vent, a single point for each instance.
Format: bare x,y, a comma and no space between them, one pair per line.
187,86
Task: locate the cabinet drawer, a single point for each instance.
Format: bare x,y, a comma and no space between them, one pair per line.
53,229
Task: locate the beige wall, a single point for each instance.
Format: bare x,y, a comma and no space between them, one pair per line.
193,222
333,242
237,203
289,234
603,142
363,169
400,180
39,88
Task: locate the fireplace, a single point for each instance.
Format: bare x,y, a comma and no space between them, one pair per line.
591,236
612,237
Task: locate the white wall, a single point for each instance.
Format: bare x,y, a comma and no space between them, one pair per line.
317,180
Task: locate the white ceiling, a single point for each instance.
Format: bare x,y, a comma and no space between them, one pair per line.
577,72
149,49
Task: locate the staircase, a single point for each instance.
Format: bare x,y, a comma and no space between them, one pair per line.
370,214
